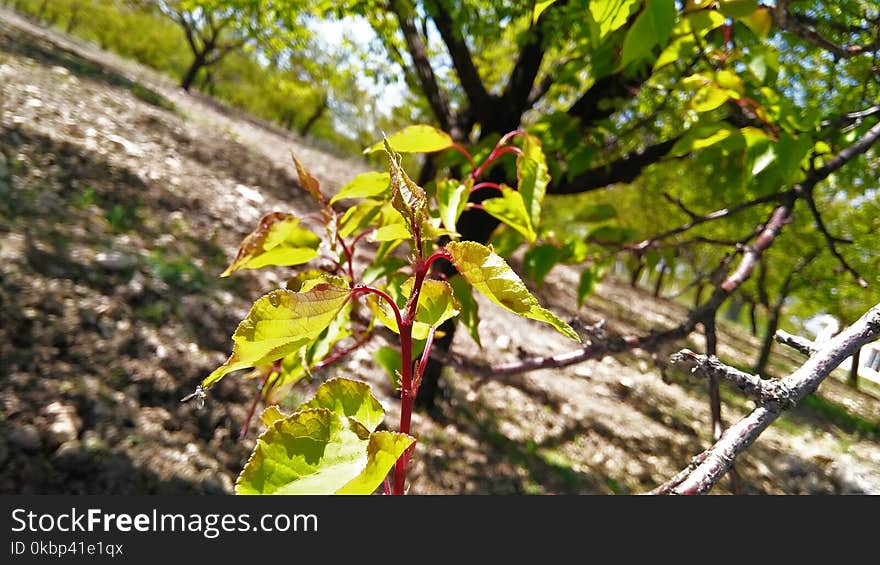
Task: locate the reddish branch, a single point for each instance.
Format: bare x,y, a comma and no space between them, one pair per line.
788,392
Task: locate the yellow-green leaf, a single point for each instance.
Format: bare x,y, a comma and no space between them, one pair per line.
540,6
492,276
271,415
278,240
470,310
359,216
452,198
737,8
532,176
708,98
365,185
760,21
280,323
391,232
348,398
437,303
383,451
416,139
510,209
729,80
609,15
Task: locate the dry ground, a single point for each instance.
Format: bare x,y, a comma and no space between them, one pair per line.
122,198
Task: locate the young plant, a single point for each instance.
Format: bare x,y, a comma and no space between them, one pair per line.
331,444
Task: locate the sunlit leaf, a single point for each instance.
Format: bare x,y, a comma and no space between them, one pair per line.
437,304
533,176
317,452
760,21
416,139
452,198
365,185
540,6
353,399
653,26
470,310
708,98
494,279
359,217
279,241
609,15
511,210
280,323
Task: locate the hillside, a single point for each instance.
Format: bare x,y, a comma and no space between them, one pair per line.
122,198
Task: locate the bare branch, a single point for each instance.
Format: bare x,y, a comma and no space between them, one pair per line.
799,344
764,391
832,242
720,457
437,98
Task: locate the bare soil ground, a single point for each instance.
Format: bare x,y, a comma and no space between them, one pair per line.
122,198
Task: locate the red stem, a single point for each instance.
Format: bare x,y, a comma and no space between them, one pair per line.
407,391
464,152
340,353
361,289
348,255
250,415
423,362
480,185
496,153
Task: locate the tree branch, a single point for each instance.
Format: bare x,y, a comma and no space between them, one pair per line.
624,170
764,391
799,344
832,242
481,102
437,98
720,457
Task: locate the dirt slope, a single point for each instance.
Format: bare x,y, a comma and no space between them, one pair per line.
121,198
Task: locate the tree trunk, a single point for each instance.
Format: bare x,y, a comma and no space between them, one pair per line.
854,369
307,127
73,22
659,283
753,317
193,71
767,345
634,277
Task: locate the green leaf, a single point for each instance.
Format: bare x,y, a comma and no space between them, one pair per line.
702,136
678,50
348,398
612,235
382,269
407,197
416,139
391,232
594,213
389,359
653,26
532,176
470,310
586,285
539,260
708,98
365,185
280,323
452,199
278,240
511,210
608,16
383,451
540,6
493,277
437,304
760,22
278,384
359,217
271,415
307,181
316,452
737,8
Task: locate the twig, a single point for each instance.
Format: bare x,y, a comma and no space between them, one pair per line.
764,391
797,343
833,241
720,457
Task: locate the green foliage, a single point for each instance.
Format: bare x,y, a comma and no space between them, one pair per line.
329,444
